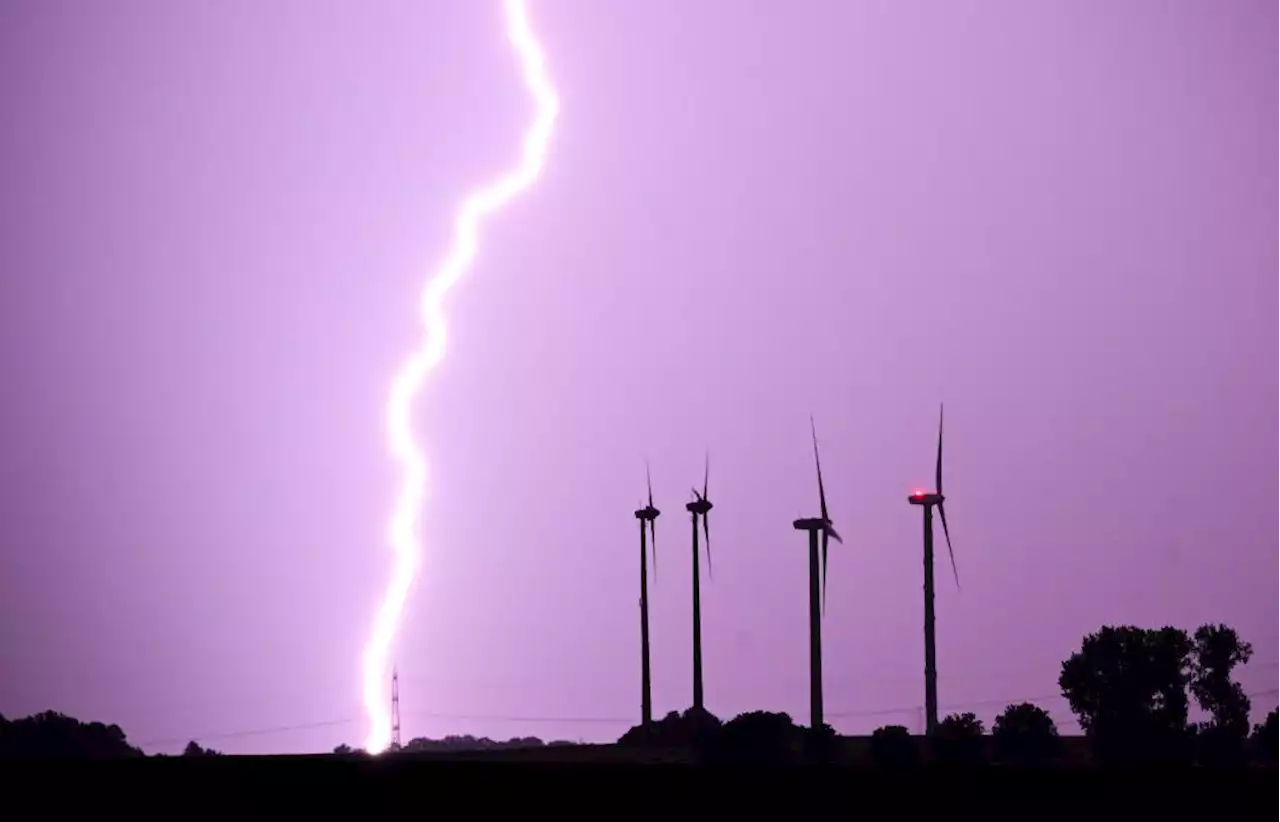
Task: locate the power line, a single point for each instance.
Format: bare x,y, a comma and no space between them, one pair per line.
981,703
331,723
305,726
614,720
988,703
568,720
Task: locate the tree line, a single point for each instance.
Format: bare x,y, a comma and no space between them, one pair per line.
1131,690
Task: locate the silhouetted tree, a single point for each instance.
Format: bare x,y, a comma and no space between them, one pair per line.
959,739
52,735
1218,650
1128,686
1263,740
1025,734
758,736
892,746
343,750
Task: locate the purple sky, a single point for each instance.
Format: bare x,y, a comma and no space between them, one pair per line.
1059,217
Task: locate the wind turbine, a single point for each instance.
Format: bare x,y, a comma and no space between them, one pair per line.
930,500
817,593
699,507
646,515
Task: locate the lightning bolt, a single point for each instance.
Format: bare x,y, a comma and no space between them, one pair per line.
403,535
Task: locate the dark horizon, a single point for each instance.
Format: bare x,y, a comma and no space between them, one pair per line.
1101,680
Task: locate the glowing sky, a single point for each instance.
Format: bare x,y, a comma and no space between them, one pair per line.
1059,217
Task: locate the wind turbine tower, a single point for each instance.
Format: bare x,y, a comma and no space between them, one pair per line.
820,531
929,500
646,517
699,507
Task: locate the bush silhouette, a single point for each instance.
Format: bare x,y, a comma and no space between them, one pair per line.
821,744
959,740
194,749
757,737
1219,746
675,730
1024,734
1263,740
892,746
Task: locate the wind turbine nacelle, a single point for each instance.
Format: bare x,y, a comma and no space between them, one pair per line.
647,514
925,498
699,507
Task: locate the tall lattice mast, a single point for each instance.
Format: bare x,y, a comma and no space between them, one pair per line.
395,708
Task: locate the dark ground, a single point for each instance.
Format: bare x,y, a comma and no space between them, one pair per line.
608,779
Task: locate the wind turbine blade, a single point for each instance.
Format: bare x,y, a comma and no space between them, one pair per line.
648,481
831,529
706,537
937,476
653,546
822,494
942,512
706,475
824,572
696,495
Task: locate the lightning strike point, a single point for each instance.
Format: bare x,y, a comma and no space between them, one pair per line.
403,534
